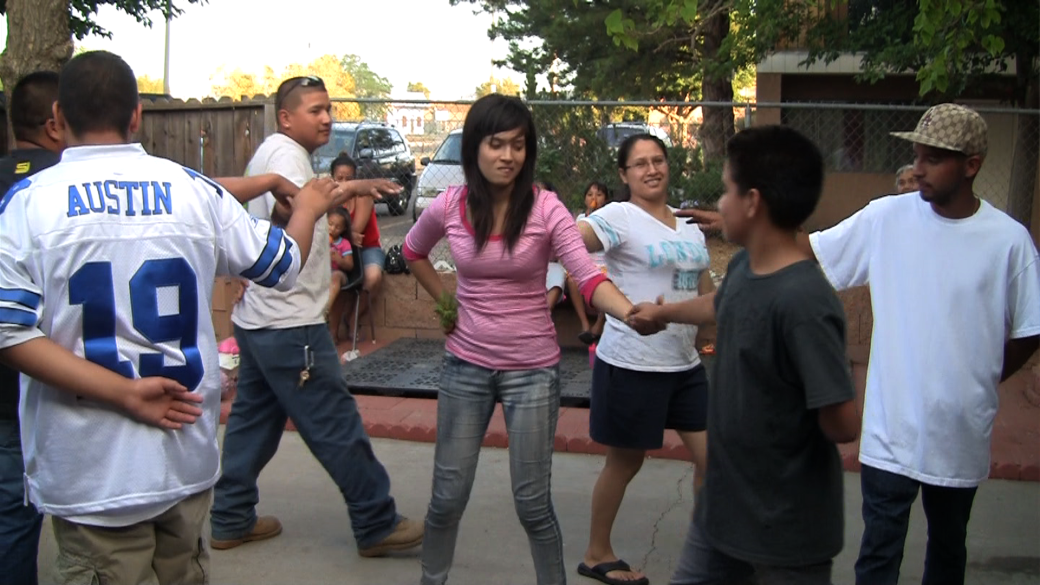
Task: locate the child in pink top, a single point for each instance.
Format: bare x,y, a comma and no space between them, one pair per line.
341,256
502,346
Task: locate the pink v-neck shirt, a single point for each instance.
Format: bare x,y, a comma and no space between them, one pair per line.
503,319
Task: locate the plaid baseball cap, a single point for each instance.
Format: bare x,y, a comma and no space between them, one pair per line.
950,127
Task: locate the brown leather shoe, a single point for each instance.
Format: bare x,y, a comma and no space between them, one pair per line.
266,527
407,534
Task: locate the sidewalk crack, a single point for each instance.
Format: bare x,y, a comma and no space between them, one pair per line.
681,498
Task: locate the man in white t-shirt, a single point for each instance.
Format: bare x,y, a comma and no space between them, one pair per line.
289,366
955,289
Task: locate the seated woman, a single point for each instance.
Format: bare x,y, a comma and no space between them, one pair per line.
364,237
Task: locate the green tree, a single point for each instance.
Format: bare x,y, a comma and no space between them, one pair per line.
146,84
40,32
626,50
955,49
417,86
82,12
367,83
505,86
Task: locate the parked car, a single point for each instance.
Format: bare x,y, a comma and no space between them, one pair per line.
615,134
379,151
439,172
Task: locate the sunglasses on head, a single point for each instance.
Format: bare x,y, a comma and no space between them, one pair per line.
306,81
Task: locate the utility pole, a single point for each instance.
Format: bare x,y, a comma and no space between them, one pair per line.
166,62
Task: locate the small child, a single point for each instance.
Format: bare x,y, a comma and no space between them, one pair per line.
772,503
597,195
342,257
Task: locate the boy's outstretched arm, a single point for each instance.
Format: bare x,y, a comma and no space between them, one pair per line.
840,422
155,401
696,311
1016,353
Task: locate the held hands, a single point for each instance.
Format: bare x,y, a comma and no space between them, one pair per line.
356,239
162,403
646,318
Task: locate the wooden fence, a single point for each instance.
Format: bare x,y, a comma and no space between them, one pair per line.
216,138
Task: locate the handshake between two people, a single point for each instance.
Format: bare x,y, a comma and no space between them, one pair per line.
647,318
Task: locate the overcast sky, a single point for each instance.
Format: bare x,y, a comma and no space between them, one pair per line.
444,47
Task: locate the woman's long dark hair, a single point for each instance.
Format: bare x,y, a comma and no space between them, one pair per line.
490,115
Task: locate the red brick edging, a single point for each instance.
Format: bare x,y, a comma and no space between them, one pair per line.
415,419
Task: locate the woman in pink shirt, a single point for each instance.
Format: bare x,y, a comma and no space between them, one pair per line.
502,346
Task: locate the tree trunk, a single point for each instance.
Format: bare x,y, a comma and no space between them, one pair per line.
1026,159
38,38
718,126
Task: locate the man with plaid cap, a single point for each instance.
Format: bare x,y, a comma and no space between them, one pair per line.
955,289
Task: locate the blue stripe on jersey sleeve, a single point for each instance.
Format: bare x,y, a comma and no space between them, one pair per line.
283,265
17,317
10,193
20,296
274,241
205,179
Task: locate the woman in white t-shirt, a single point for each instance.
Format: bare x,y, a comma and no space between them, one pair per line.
643,385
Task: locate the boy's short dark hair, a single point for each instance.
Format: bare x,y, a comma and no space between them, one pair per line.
785,167
97,92
31,103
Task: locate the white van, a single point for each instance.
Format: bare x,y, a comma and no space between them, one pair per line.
439,172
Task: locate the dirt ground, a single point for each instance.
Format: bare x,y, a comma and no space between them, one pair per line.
719,253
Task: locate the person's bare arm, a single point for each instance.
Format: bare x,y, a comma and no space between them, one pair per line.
160,402
362,215
424,272
840,422
696,311
245,189
589,237
707,220
343,262
1016,353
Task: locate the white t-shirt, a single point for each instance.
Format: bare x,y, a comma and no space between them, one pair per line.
597,257
305,304
646,259
947,294
112,255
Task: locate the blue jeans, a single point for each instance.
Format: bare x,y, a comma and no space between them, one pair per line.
531,403
19,524
702,564
887,498
327,418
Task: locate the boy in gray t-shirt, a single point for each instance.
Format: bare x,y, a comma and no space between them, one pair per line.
772,505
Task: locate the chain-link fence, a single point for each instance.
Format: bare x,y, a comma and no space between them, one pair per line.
419,144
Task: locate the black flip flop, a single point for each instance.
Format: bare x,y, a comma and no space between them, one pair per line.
599,573
587,337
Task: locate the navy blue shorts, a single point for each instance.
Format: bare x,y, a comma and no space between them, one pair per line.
631,409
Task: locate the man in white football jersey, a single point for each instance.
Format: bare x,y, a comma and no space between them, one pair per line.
107,263
290,368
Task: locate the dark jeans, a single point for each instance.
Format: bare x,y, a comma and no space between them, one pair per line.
19,524
327,418
887,498
702,564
